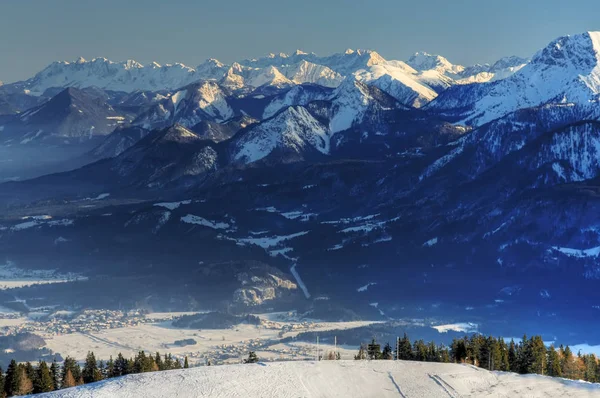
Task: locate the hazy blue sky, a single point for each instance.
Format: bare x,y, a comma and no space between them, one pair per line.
35,32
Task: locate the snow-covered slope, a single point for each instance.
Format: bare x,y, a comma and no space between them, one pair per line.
566,71
274,70
435,65
308,72
117,76
269,76
293,130
298,95
352,101
423,61
344,63
399,83
332,379
205,100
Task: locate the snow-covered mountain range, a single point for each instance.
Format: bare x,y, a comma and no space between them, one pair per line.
423,73
330,167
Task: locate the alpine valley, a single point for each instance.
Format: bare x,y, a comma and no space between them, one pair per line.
346,187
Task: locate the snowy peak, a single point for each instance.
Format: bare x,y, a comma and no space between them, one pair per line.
565,71
508,62
353,100
458,74
408,88
579,52
423,61
308,72
125,76
297,95
269,76
292,131
352,61
205,100
211,69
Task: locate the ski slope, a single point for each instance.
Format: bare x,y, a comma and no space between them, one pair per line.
333,379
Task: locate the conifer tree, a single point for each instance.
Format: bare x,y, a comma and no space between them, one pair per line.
55,374
168,363
538,355
458,350
159,362
252,357
185,363
43,382
387,352
25,383
121,366
176,364
481,351
504,363
374,350
553,362
71,373
405,348
90,368
362,353
110,368
432,352
568,364
513,361
30,371
419,351
525,355
590,368
68,380
12,380
444,354
2,382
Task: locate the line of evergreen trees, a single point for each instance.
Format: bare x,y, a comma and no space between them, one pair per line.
24,378
530,355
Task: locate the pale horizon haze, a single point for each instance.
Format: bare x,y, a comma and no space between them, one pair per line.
36,32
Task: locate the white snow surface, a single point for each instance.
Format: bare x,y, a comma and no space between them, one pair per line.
567,70
297,95
173,205
431,242
270,241
400,81
463,327
125,76
579,253
293,129
308,72
192,219
366,287
332,379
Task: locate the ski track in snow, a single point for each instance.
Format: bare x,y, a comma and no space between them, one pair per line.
299,281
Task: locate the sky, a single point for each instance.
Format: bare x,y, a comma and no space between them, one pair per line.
33,33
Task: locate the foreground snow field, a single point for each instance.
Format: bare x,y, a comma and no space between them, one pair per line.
333,379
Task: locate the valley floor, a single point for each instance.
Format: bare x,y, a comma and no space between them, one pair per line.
333,379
